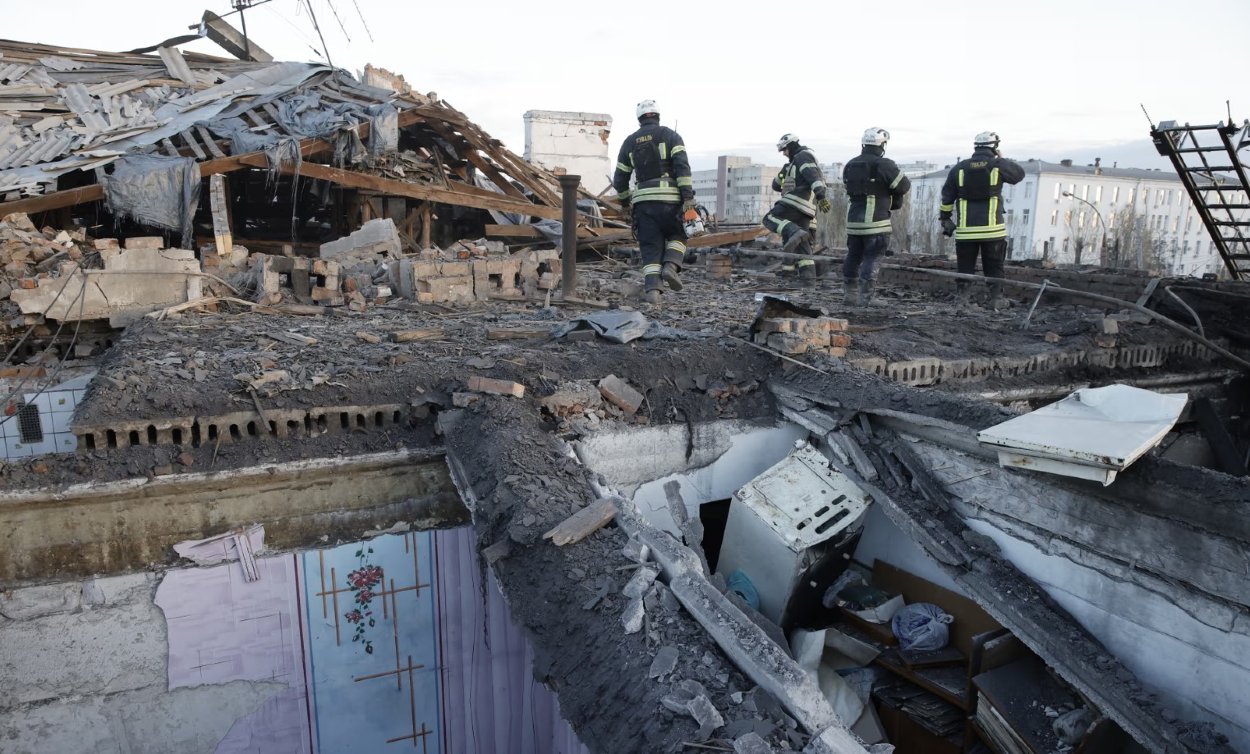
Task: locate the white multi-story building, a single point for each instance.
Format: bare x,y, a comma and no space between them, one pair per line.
738,190
1072,214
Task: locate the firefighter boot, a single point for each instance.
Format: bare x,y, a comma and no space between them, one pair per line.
997,300
866,292
669,273
850,292
807,273
962,296
652,286
796,238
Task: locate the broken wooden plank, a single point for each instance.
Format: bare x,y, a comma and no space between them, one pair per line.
453,195
583,523
292,338
407,336
368,337
712,240
210,142
221,221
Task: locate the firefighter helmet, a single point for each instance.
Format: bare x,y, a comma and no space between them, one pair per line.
986,139
786,140
647,107
875,137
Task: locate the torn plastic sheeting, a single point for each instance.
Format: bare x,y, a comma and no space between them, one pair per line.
621,327
153,190
383,129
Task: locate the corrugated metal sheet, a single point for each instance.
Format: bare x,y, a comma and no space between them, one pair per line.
491,702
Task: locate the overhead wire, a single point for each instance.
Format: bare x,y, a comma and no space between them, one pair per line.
335,11
362,20
313,15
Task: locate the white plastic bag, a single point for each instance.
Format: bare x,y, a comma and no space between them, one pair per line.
921,627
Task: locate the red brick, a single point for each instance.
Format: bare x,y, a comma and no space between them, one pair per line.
840,340
496,387
619,393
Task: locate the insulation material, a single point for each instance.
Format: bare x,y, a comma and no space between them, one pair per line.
162,192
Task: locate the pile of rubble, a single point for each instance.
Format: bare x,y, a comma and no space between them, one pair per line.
369,267
27,255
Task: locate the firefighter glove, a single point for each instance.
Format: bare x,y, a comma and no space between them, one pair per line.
948,226
824,205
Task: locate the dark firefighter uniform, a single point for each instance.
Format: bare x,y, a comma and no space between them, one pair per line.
874,187
801,185
973,195
657,155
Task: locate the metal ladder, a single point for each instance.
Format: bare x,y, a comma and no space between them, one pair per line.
1207,160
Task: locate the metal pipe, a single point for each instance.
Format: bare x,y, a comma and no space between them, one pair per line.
568,235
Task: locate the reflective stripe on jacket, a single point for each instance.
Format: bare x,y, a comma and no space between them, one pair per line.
973,194
657,156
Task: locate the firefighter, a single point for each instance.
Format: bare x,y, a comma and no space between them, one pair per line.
802,190
664,188
874,187
973,192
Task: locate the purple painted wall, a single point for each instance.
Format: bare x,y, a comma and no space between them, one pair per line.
491,703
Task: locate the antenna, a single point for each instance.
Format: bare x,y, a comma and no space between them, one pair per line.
1148,119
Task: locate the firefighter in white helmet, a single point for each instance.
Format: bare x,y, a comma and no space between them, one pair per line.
973,195
802,188
656,156
874,187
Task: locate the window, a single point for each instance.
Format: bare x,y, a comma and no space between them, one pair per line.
1080,220
1132,195
1098,194
1115,194
1024,217
1189,222
1110,220
1085,192
1145,197
1058,189
1065,245
1072,189
1067,217
1176,224
1054,218
1010,216
1028,190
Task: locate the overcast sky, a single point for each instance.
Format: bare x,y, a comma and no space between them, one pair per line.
1055,78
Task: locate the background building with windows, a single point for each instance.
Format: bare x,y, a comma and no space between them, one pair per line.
1072,214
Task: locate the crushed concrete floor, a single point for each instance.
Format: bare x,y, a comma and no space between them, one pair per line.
568,598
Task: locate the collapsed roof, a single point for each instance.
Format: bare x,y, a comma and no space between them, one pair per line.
67,115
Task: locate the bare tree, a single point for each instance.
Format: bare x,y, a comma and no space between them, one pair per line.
1082,229
831,226
916,227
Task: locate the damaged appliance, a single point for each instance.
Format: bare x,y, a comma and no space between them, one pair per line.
791,531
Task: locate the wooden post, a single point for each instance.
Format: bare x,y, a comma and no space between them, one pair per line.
427,220
221,217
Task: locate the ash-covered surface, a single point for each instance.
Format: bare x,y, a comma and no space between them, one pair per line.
203,364
569,599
